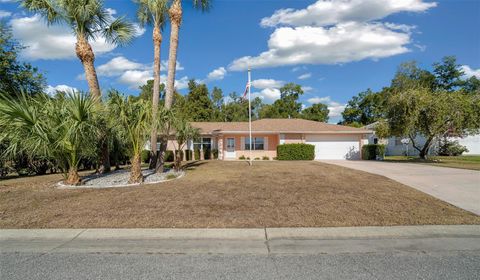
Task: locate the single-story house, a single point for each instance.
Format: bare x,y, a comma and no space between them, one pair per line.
400,146
231,139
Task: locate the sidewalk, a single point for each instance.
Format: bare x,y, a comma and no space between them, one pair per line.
244,241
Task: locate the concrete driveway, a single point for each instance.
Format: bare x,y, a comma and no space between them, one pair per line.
460,187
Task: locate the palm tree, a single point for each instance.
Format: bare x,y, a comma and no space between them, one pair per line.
175,13
183,132
62,128
154,12
134,120
88,19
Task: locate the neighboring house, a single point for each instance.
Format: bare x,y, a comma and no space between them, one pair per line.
231,139
396,147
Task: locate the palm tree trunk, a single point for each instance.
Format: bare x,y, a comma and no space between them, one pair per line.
157,42
73,178
87,57
136,175
175,13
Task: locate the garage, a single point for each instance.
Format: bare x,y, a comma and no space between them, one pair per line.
335,146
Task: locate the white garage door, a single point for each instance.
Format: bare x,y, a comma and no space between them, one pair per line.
335,146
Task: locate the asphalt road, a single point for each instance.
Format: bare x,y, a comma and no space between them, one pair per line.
404,265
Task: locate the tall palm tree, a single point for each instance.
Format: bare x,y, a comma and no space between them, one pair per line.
175,13
154,12
88,19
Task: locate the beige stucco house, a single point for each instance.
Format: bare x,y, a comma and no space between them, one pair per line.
231,139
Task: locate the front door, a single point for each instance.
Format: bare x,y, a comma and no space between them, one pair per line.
230,152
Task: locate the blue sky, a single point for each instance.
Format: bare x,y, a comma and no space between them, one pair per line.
335,49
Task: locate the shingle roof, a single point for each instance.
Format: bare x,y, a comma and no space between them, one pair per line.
276,125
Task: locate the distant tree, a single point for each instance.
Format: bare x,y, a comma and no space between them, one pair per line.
317,112
199,106
146,91
472,85
365,108
218,104
432,114
409,75
287,106
448,74
16,76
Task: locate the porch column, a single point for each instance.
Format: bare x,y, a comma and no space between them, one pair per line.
220,147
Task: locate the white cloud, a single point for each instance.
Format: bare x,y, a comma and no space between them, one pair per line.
304,76
136,78
4,14
342,43
469,72
267,83
298,68
330,12
164,66
333,32
52,90
118,65
49,42
217,74
307,88
334,107
268,94
54,41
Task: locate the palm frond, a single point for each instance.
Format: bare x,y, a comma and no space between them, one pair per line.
119,32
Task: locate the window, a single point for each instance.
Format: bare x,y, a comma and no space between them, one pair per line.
375,140
202,144
258,143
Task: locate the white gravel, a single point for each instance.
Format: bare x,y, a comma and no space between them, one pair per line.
119,178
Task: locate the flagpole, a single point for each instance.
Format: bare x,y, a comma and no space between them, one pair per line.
249,115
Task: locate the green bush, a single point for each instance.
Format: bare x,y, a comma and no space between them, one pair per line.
188,154
196,154
145,156
451,148
297,151
265,158
215,153
207,153
257,158
373,151
242,157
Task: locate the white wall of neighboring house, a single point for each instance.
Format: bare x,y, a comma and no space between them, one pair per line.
394,146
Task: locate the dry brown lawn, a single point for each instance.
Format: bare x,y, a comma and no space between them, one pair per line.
229,194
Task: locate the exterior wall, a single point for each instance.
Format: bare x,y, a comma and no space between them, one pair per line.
270,150
292,138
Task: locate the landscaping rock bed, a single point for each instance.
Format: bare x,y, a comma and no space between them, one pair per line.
119,178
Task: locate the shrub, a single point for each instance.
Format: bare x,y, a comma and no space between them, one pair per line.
265,158
257,158
242,157
196,154
188,154
215,153
207,153
451,148
298,151
171,176
373,151
145,156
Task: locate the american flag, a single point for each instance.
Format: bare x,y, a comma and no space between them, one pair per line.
246,91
